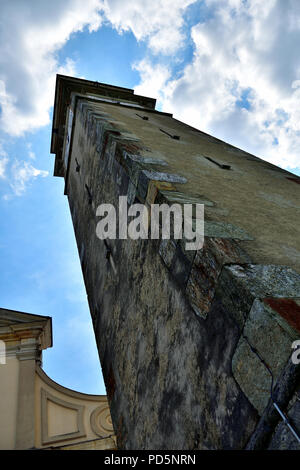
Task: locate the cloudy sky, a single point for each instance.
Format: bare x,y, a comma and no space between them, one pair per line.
228,67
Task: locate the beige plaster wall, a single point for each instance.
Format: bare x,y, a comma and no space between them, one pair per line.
9,376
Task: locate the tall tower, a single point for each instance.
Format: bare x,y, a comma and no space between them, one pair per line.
195,345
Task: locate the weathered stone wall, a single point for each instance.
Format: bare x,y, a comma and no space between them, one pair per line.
182,336
254,202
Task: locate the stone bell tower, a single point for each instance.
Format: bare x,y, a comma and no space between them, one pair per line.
195,346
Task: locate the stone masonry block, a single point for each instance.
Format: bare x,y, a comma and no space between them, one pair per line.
167,249
240,285
272,336
206,269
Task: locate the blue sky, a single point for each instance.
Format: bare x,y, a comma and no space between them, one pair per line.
228,67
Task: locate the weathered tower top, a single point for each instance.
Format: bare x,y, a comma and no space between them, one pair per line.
68,88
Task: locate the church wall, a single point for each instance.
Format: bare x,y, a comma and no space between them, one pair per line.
64,417
9,375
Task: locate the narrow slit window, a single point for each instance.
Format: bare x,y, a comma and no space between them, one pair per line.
220,165
176,137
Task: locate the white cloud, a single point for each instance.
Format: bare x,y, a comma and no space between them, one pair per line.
22,174
34,31
3,163
30,36
153,79
3,152
242,84
160,22
30,152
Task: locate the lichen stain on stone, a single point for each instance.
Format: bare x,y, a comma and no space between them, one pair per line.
288,309
155,186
